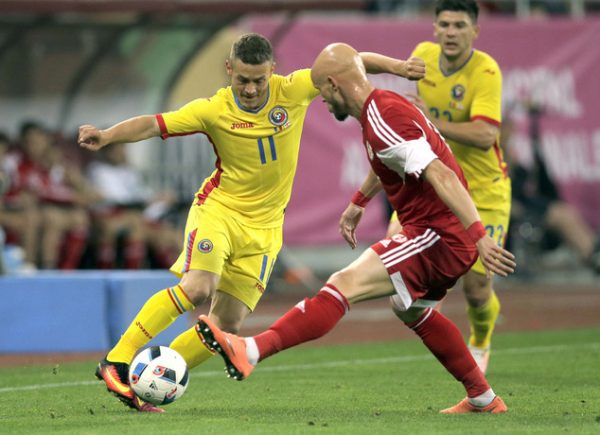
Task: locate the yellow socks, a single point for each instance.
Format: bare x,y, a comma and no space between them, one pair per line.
483,320
190,347
155,316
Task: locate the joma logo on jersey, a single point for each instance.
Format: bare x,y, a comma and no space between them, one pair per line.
236,125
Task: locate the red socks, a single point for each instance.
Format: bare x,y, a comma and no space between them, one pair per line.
445,341
73,248
312,318
135,253
308,320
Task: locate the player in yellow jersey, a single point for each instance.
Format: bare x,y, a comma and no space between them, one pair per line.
461,94
234,228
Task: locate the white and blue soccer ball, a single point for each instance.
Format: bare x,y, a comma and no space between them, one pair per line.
158,375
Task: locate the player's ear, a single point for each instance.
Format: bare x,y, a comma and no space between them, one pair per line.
333,83
476,29
228,67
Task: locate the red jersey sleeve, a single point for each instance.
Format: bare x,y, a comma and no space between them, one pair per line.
400,141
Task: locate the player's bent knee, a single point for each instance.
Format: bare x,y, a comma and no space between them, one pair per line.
406,315
197,293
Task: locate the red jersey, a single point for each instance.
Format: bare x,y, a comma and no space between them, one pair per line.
48,184
401,142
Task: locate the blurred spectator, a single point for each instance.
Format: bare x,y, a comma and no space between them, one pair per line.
129,209
56,188
19,214
539,214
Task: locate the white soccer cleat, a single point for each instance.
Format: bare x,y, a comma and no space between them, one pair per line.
481,357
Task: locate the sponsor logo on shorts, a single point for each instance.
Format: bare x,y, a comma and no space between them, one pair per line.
278,116
399,238
260,287
205,246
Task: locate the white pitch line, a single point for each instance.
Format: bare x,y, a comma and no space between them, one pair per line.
388,360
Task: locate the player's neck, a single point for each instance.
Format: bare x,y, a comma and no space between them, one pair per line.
450,65
361,94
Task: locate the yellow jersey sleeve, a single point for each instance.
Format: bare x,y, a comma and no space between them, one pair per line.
298,87
194,117
487,99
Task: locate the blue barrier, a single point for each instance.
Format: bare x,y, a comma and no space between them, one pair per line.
127,293
77,311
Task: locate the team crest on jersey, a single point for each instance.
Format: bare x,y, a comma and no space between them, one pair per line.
458,92
205,246
278,116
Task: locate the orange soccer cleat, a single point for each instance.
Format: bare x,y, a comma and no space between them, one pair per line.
231,347
497,406
115,376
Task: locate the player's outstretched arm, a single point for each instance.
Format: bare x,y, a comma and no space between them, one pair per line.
448,187
353,213
412,69
130,130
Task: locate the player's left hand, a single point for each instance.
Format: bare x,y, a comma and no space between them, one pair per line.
348,223
413,68
495,258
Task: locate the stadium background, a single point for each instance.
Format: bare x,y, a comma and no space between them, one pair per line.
66,63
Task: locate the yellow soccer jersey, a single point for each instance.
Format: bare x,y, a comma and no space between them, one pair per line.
257,151
472,92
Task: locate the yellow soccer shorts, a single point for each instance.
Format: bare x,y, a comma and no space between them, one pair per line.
493,205
243,256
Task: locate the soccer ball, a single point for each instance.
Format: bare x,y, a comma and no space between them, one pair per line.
158,375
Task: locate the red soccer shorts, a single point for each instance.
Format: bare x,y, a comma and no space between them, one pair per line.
423,264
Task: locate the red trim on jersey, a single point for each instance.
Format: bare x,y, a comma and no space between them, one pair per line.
215,181
188,250
486,119
164,133
161,124
503,166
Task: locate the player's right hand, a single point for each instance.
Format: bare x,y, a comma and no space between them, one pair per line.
90,137
349,221
495,258
413,68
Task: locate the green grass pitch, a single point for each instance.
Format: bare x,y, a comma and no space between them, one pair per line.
549,380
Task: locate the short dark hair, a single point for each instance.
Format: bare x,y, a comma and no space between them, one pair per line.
469,6
253,49
30,125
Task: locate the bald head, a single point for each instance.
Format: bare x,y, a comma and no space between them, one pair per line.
337,60
339,74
